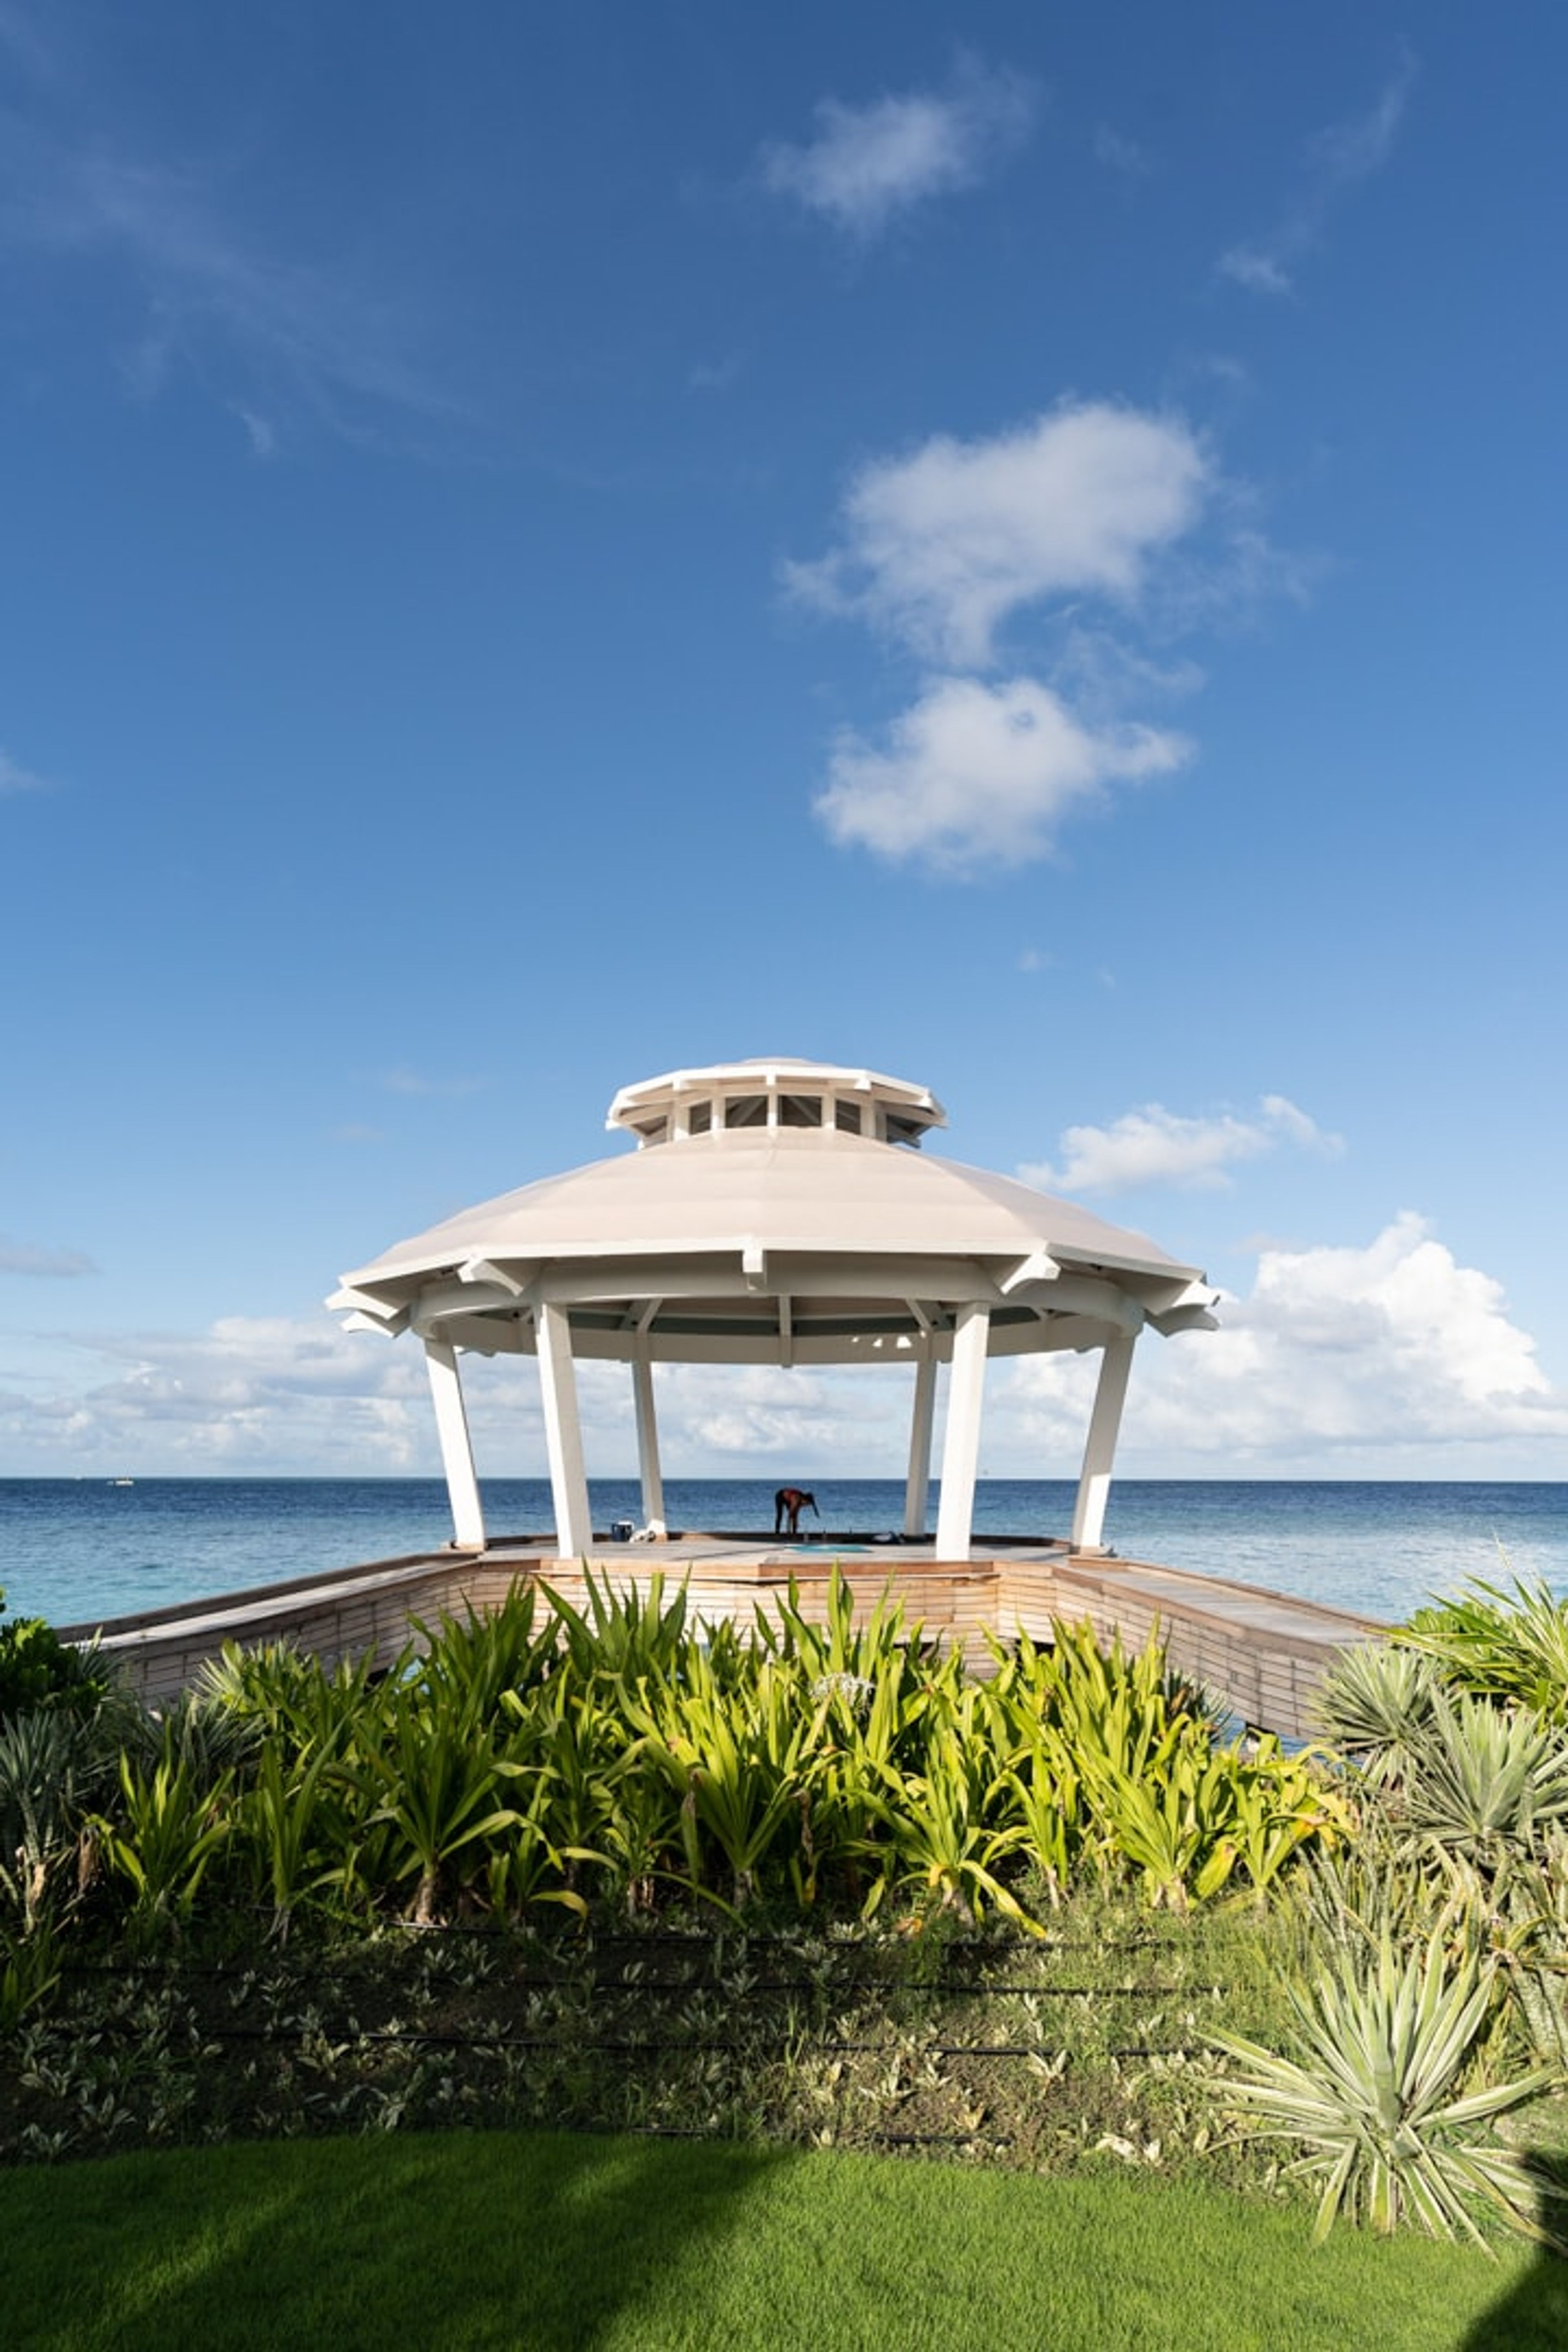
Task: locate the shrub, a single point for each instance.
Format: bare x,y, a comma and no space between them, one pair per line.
38,1670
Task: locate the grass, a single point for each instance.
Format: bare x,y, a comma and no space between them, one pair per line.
538,2240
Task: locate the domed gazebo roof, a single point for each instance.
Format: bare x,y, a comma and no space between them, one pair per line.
774,1211
770,1181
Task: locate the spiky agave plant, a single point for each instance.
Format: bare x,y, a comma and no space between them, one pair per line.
1374,1700
1374,2099
1484,1783
46,1770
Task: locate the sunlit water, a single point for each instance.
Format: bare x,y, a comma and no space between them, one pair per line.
77,1550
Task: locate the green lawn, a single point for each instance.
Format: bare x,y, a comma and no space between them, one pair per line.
635,2245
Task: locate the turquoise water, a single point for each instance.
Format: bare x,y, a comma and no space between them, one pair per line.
75,1549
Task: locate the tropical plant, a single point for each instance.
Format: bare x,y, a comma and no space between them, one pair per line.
946,1825
292,1828
1501,1644
48,1770
1482,1782
171,1819
38,1670
434,1782
476,1660
1374,2098
731,1757
1375,1699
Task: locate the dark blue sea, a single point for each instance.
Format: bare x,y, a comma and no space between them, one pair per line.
79,1550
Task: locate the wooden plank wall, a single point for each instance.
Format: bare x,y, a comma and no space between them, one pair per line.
1268,1679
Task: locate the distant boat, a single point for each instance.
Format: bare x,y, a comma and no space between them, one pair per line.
120,1482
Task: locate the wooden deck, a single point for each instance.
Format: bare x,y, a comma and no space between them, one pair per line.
1263,1651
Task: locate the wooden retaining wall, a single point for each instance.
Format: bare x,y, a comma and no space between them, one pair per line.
1261,1652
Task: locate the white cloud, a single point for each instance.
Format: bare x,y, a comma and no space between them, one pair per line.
1376,1360
974,772
15,778
1348,1360
1337,160
260,435
870,164
1393,1345
299,1396
1156,1146
942,547
249,1390
30,1257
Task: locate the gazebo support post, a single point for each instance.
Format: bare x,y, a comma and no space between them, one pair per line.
960,1442
647,1439
1100,1446
456,1445
563,1434
917,1487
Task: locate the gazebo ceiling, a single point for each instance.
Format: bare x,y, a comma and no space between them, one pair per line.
774,1213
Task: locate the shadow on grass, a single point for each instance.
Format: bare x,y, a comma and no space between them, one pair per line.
1532,2316
492,2241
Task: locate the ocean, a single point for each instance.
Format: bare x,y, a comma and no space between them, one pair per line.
81,1549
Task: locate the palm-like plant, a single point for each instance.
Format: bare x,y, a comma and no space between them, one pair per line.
439,1784
1483,1783
171,1817
1375,1699
46,1770
1501,1644
1375,2099
948,1823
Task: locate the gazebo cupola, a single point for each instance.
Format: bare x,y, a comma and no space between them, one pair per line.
803,1097
776,1212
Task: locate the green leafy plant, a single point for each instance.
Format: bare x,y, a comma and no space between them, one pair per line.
1374,2098
437,1786
171,1820
1374,1700
48,1768
1501,1644
38,1670
1483,1783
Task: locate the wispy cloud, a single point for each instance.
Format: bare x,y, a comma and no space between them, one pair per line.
1337,160
30,1257
405,1081
15,778
715,375
975,773
258,432
1156,1146
217,295
868,164
1125,157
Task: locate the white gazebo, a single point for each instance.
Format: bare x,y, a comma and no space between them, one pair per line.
776,1212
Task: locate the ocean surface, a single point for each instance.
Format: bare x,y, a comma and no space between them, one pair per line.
81,1549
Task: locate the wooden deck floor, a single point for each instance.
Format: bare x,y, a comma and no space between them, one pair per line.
1263,1651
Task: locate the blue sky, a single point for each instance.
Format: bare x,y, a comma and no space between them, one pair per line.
1018,547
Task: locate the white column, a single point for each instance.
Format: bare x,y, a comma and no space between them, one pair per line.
563,1435
961,1442
917,1487
648,1439
1100,1447
456,1446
